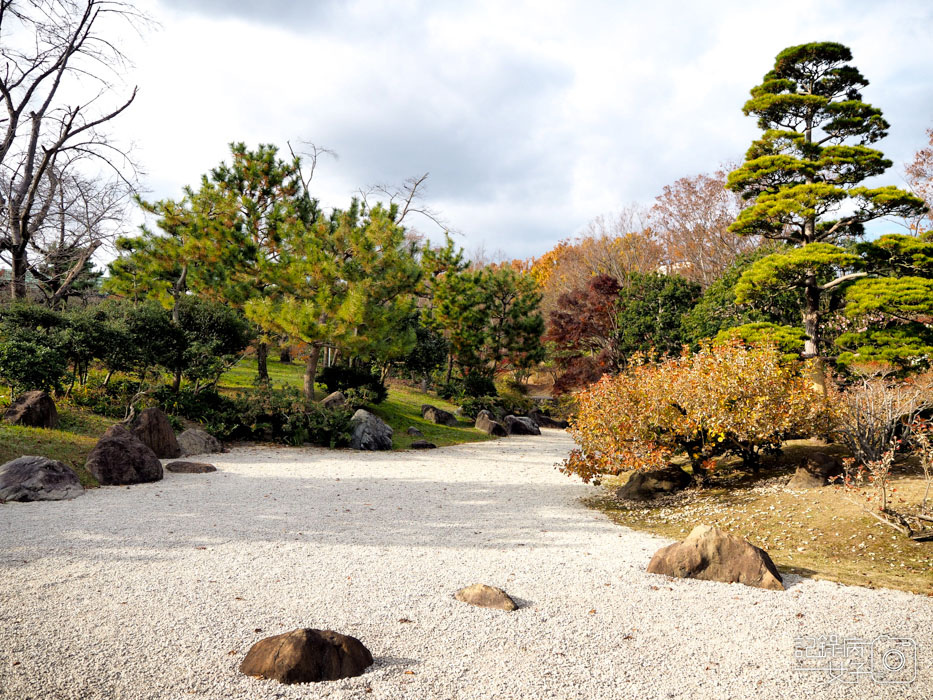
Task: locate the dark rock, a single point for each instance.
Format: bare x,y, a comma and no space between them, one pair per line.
198,442
645,485
121,458
543,421
183,467
35,409
710,554
519,425
490,426
484,596
335,400
423,445
153,428
38,479
307,656
438,415
414,432
370,432
815,471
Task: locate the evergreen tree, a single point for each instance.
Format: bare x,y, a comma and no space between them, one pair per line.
803,178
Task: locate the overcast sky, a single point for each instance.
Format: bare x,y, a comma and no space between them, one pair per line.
531,120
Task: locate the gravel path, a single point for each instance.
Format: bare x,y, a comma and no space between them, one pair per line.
157,591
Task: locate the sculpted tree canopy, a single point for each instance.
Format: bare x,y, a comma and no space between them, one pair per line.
50,49
802,179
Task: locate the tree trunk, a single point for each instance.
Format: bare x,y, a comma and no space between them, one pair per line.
285,355
176,381
811,326
262,369
18,274
311,371
450,367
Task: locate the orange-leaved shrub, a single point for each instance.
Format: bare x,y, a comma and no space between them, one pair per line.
721,399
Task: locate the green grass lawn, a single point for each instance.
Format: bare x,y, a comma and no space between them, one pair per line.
401,410
75,437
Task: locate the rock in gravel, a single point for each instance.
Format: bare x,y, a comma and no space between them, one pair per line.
438,415
483,596
119,457
35,409
414,432
335,400
185,467
195,441
370,432
815,471
711,554
543,421
153,428
490,426
645,485
519,425
307,656
423,445
38,479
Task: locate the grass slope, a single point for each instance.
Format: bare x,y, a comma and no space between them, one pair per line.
815,532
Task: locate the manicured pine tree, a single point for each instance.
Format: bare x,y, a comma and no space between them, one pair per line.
803,178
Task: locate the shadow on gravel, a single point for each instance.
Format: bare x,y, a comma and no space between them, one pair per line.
204,511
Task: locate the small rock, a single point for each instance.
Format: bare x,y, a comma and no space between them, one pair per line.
370,432
711,554
38,479
307,656
438,415
155,431
519,425
484,596
119,457
645,485
35,409
195,441
184,467
490,426
335,400
815,471
414,432
423,445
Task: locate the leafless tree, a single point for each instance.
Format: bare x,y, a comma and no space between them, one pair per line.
49,51
408,199
919,175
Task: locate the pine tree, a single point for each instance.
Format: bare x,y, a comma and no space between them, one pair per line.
803,178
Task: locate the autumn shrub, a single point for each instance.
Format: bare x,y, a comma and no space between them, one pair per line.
722,399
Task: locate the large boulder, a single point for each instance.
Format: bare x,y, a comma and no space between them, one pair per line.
335,400
645,485
307,656
520,425
543,421
195,441
711,554
119,457
369,432
483,596
35,409
815,471
438,415
414,432
489,425
38,479
155,431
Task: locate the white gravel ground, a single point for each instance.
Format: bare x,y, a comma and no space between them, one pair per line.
157,591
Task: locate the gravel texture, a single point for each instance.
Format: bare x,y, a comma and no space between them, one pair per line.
158,590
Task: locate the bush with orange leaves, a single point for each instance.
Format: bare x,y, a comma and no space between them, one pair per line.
721,399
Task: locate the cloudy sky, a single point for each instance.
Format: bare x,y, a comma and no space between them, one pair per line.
531,117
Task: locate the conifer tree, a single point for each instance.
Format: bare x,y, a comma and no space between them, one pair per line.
803,179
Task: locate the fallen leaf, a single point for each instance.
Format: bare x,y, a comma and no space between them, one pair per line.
404,619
